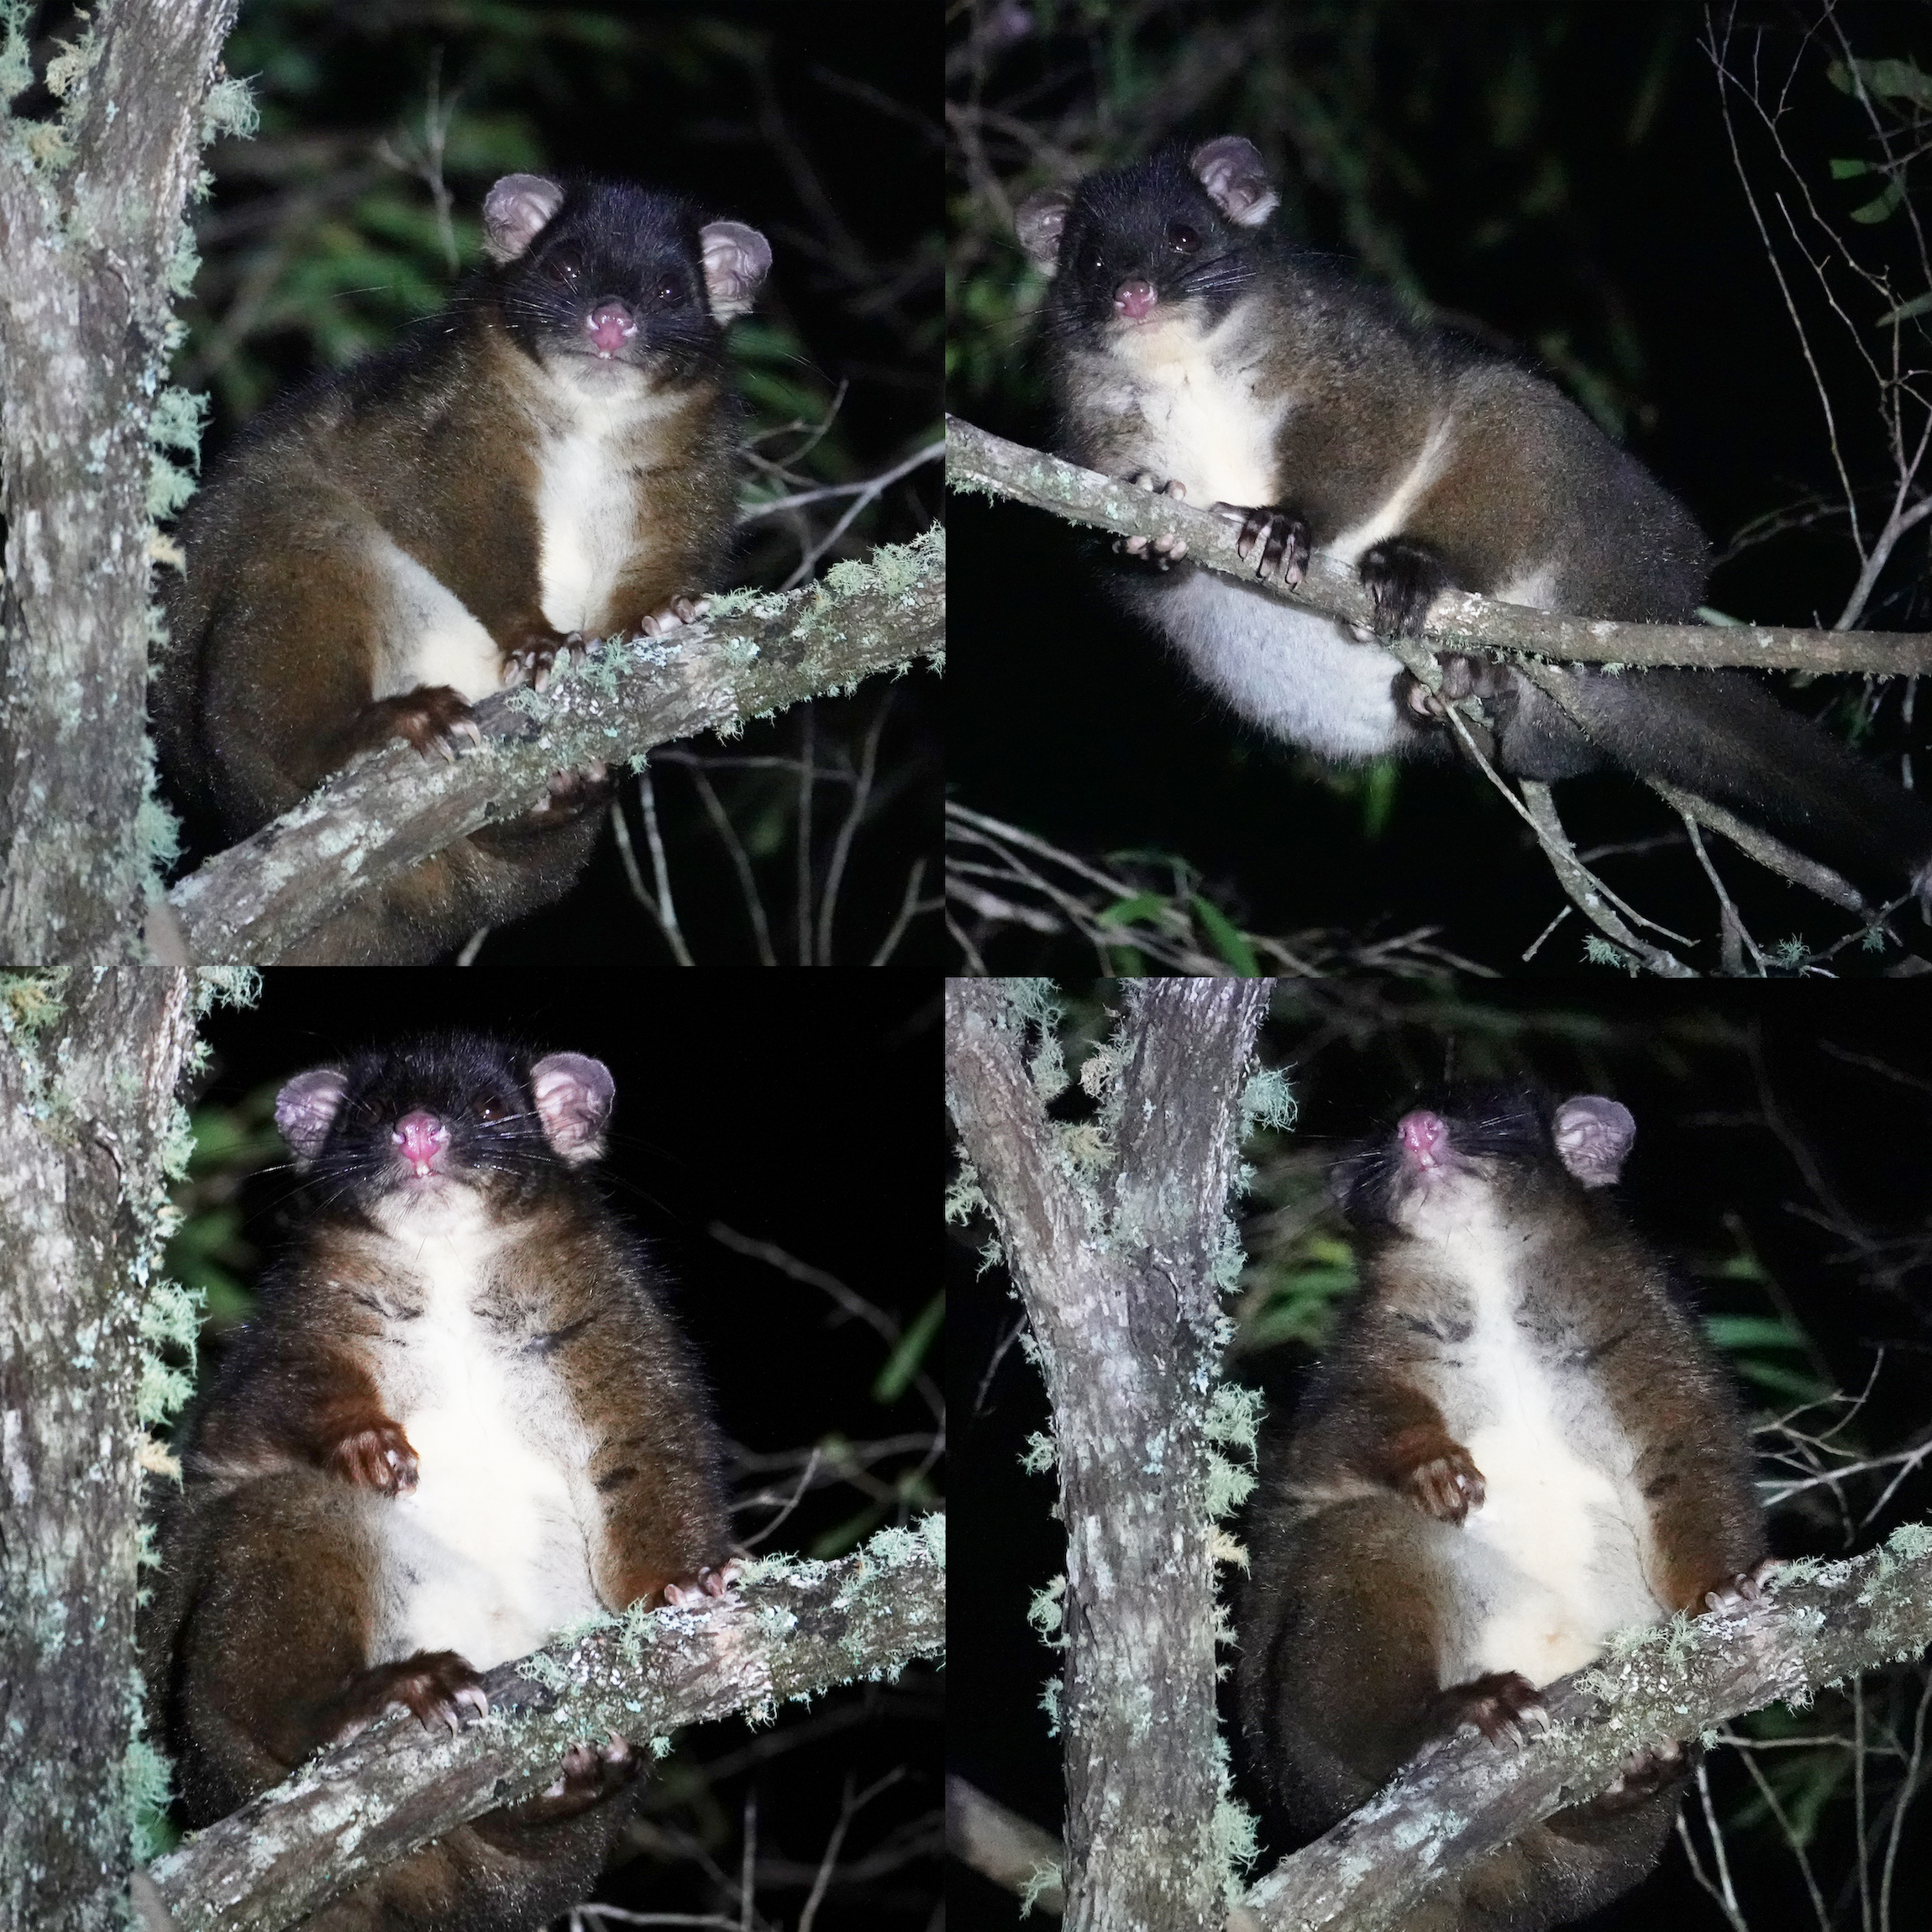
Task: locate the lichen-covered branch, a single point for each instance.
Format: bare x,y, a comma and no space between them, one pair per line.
801,1628
90,240
1114,1230
1458,621
754,654
88,1129
1819,1623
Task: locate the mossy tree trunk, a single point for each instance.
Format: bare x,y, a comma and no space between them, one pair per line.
88,1065
1116,1235
92,193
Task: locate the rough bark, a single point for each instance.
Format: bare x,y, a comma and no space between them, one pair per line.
90,208
88,1065
976,459
802,1628
1821,1624
391,807
1115,1258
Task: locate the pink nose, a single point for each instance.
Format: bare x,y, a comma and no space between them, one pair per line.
1424,1138
420,1138
1133,299
610,327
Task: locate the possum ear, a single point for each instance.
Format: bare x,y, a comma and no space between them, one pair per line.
514,213
1592,1136
1039,222
736,259
1232,172
305,1110
574,1094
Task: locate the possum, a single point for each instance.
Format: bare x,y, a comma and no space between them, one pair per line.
1192,348
550,461
461,1421
1519,1444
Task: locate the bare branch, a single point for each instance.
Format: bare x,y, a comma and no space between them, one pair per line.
1458,621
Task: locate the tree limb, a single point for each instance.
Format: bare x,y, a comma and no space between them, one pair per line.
976,459
391,807
1819,1623
802,1628
1464,1796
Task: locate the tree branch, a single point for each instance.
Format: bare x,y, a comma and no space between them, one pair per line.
1464,1796
802,1628
976,459
1819,1623
391,807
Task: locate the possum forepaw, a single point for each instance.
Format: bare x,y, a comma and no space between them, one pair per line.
543,656
1403,578
1740,1591
705,1586
377,1457
682,610
1643,1774
590,1773
1440,1476
1503,1705
1162,551
438,1686
1275,541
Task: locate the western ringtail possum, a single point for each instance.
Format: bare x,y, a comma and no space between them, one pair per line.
461,1421
550,460
1518,1443
1190,345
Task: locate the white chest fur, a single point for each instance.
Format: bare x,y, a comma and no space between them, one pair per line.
591,446
1195,392
488,1554
1552,1562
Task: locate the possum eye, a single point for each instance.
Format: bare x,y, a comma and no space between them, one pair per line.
1096,260
491,1110
566,263
672,285
1183,240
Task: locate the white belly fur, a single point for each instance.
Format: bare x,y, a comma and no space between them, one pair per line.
1206,426
1299,675
1553,1562
488,1556
586,494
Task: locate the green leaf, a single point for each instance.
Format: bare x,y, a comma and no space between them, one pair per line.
1919,304
1228,942
1782,1382
1893,80
1126,911
1843,170
1880,206
1738,1331
910,1352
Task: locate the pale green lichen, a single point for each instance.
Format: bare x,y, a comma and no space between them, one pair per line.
1047,1610
1050,1703
1042,1878
229,111
1040,1454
